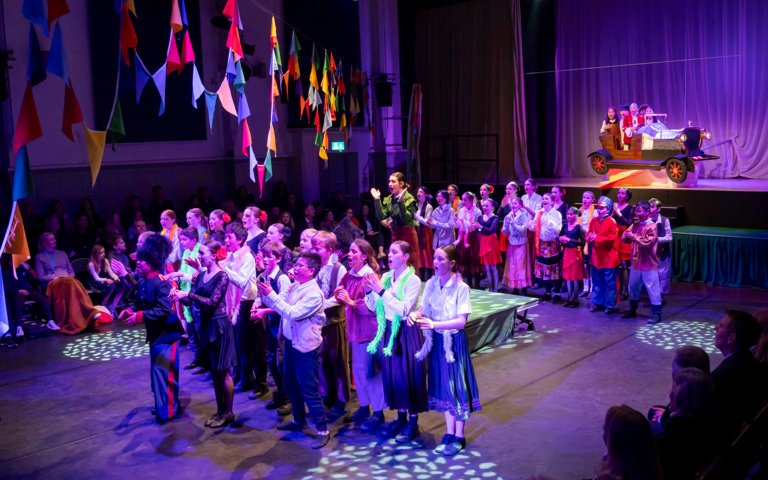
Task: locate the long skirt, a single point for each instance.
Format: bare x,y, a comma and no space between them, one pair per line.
408,234
625,249
573,266
489,250
426,252
517,271
548,262
469,258
453,386
334,364
503,242
404,377
72,308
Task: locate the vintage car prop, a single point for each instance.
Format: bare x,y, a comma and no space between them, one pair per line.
654,147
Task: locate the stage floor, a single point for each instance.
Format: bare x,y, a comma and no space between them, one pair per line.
79,407
704,184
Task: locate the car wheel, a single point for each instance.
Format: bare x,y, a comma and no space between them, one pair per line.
599,164
677,170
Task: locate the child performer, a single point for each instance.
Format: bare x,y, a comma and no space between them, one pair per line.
468,242
503,211
422,216
277,233
586,214
572,240
517,272
624,214
153,309
361,329
452,385
442,221
396,343
602,235
489,243
334,357
643,235
279,281
664,249
546,228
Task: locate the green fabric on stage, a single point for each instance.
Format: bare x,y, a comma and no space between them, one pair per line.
720,256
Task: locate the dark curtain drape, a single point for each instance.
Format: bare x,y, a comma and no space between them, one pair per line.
699,61
469,61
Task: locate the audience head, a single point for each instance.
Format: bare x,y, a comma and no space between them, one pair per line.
139,226
690,356
98,255
737,331
151,254
46,242
117,244
287,219
631,448
158,193
761,350
693,394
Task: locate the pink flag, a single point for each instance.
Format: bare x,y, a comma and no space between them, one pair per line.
176,17
247,141
187,52
225,96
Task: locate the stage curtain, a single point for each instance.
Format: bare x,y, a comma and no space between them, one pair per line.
721,256
469,60
698,61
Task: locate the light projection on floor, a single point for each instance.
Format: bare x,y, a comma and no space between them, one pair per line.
390,461
674,334
103,347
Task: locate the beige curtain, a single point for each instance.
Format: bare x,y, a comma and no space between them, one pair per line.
469,60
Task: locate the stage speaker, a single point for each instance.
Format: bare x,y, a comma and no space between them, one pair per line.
383,91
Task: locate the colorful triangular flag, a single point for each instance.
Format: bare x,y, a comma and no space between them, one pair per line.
95,145
57,62
142,76
225,96
176,23
28,122
210,103
56,9
15,241
23,186
159,78
172,57
72,112
128,38
36,67
187,52
197,85
243,111
247,140
34,11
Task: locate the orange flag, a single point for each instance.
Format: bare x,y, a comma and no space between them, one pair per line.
95,145
271,143
176,17
15,241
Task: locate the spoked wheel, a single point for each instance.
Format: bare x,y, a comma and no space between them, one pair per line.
599,164
677,170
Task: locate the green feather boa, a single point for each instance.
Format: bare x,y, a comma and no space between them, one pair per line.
381,318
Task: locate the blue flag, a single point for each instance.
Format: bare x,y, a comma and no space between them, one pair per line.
36,67
22,178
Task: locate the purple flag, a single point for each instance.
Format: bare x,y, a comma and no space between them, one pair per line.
159,78
243,111
197,85
142,76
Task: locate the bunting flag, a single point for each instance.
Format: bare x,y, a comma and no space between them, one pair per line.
4,323
233,41
231,69
264,171
15,240
302,105
252,163
116,125
22,177
182,13
56,9
57,62
239,82
294,71
271,141
172,56
230,9
210,104
275,45
72,112
131,7
159,78
197,85
176,23
267,167
128,38
142,77
187,52
34,11
247,140
28,122
225,96
243,111
324,82
36,67
95,145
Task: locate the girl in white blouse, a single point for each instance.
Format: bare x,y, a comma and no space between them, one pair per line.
546,226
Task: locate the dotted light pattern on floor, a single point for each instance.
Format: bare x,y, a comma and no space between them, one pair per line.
388,461
103,347
671,335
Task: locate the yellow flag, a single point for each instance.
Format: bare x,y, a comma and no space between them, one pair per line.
95,143
271,143
313,77
15,242
323,155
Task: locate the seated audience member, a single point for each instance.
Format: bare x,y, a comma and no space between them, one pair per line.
292,241
327,222
687,356
761,349
17,291
103,279
138,227
72,308
631,449
690,437
740,380
372,228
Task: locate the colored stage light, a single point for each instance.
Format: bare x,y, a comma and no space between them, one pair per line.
103,347
672,335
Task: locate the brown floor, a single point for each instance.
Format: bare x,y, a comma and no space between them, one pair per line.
544,396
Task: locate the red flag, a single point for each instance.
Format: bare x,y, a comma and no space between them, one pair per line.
28,122
333,63
260,171
233,41
230,10
128,38
187,52
56,9
174,63
72,112
302,105
247,141
317,121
